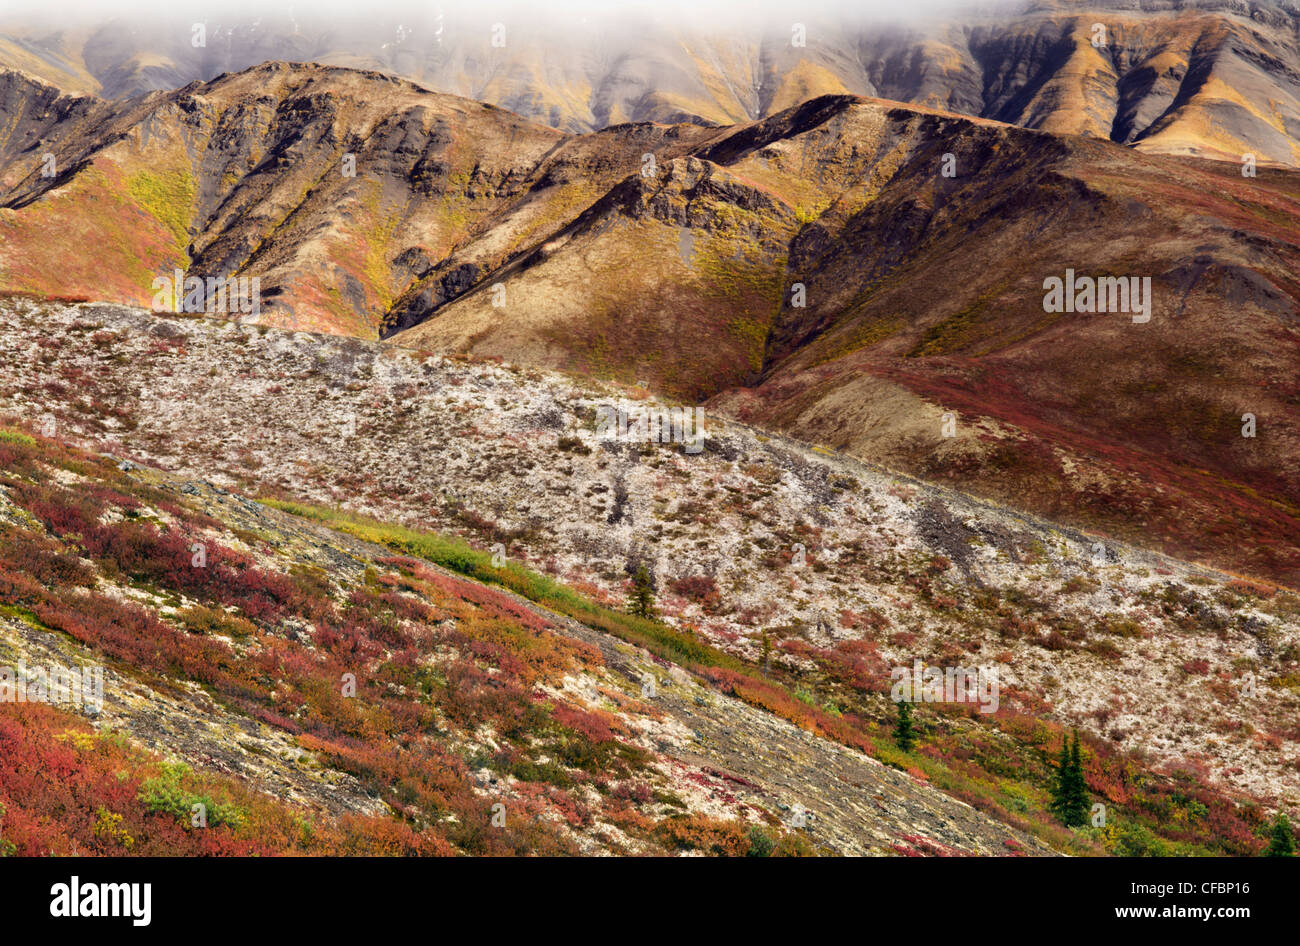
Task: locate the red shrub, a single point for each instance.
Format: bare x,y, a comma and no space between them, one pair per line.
702,589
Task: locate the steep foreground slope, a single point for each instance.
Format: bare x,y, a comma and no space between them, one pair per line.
1213,78
478,723
789,578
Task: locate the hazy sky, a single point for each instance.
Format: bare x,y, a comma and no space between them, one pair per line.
72,13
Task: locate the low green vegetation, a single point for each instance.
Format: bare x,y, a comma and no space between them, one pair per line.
16,437
168,197
459,556
170,793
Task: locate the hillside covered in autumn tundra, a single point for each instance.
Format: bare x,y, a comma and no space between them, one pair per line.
458,536
485,433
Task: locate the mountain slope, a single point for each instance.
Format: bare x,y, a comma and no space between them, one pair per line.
853,294
311,179
674,255
480,723
817,573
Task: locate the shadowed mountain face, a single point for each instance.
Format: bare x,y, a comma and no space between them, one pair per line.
1217,79
858,273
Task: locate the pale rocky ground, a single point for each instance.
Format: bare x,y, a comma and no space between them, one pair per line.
714,754
436,442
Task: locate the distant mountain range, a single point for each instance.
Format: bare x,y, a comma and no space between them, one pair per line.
1210,78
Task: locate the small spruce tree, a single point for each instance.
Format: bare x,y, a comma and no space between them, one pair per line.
1078,786
1281,842
1070,791
642,602
904,733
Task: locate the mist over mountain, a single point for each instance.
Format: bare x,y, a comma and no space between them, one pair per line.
1215,78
